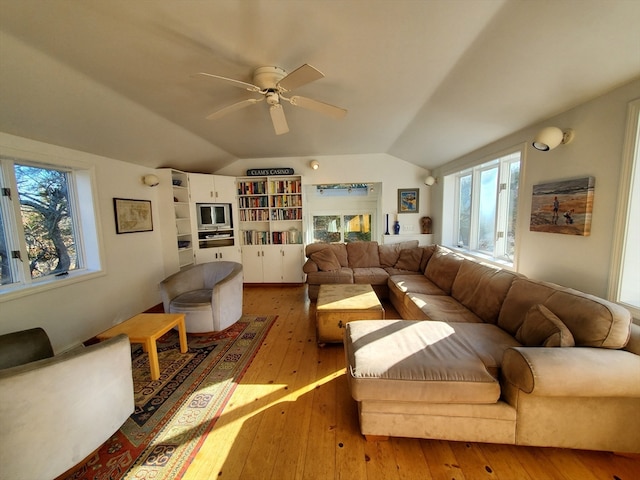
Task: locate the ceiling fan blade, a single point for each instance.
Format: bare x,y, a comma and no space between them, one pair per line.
300,76
235,83
233,107
316,106
278,119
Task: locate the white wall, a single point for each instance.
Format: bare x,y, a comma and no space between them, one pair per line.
133,263
392,172
575,261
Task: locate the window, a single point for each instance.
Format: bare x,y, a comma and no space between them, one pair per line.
46,234
625,276
342,228
484,207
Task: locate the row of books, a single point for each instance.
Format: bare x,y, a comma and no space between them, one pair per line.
261,215
253,202
286,214
257,237
286,201
274,187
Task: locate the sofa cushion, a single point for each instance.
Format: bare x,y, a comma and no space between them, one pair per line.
363,254
541,328
344,275
443,308
195,299
426,256
415,284
371,276
443,268
326,260
396,360
389,253
482,288
522,295
339,249
409,259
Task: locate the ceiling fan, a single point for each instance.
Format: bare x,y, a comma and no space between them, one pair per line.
273,83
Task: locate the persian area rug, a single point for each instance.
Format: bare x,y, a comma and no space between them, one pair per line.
174,414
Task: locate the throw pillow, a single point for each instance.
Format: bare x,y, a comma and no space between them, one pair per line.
409,259
542,328
326,260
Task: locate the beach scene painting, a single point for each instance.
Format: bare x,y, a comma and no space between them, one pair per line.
563,207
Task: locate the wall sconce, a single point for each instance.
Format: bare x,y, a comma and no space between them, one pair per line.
550,137
430,181
314,164
150,180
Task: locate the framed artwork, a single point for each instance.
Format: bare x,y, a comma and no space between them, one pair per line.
408,200
564,206
132,215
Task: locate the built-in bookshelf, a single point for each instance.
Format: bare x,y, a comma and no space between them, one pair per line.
181,207
270,210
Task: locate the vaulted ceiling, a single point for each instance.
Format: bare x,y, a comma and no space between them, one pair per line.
425,81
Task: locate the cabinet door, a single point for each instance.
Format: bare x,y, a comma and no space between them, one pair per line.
225,188
230,254
292,262
201,188
272,262
252,263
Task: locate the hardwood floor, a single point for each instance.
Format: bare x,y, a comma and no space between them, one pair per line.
292,417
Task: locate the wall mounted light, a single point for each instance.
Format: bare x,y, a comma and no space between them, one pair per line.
150,180
430,181
550,137
314,164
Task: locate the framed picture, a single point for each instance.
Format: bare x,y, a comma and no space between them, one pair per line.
563,207
408,200
132,215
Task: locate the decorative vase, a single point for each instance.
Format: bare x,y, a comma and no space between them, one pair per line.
387,230
396,228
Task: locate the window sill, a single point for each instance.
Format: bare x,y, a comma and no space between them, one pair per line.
496,262
12,292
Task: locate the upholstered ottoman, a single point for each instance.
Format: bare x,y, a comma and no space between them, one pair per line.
424,375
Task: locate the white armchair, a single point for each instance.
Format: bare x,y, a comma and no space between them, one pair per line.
56,410
209,294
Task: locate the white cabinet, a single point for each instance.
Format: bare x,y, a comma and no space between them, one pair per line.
182,218
272,263
217,254
211,188
270,219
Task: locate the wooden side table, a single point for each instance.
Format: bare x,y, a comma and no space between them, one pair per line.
342,303
146,328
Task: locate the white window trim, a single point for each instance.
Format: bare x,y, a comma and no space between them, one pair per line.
627,172
459,169
89,214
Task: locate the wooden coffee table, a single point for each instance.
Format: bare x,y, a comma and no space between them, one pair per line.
146,328
339,304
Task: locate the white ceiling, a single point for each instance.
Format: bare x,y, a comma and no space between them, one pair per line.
425,81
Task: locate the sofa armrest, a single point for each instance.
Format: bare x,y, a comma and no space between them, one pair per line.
56,411
310,266
575,372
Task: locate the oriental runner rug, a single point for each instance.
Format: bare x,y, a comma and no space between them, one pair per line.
174,414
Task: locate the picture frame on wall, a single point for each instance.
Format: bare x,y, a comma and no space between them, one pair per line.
408,200
132,215
563,206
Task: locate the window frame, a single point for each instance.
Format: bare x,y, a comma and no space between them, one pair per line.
503,161
84,212
629,169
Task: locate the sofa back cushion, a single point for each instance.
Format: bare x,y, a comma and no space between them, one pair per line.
443,267
363,254
326,260
593,322
482,289
339,250
426,256
389,253
409,259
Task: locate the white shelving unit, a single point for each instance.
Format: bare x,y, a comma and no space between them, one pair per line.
182,211
270,211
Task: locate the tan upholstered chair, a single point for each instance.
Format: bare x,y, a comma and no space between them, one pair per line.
209,294
55,410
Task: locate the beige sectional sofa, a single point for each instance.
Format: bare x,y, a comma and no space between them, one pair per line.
500,359
360,262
